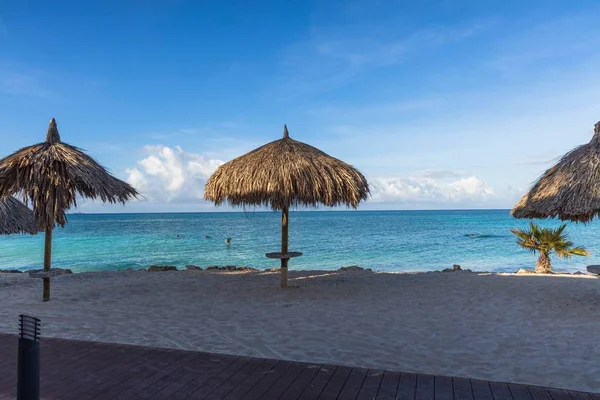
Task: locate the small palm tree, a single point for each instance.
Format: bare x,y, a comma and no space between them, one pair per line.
545,241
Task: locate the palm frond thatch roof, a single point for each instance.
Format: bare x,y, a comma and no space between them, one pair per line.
52,173
15,217
570,190
286,173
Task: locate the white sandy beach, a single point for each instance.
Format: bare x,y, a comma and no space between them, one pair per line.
541,330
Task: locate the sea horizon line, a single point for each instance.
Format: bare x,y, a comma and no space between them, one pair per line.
292,210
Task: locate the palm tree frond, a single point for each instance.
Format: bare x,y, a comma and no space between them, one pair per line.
546,241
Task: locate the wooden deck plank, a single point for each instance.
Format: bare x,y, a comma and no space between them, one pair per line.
68,361
318,383
91,374
144,368
481,390
55,356
407,387
443,388
335,384
269,379
353,384
559,394
123,374
218,379
153,373
371,384
187,374
99,371
301,382
580,396
462,389
248,384
218,365
520,392
63,365
389,386
536,393
228,386
500,391
44,361
284,382
8,366
163,378
89,378
425,387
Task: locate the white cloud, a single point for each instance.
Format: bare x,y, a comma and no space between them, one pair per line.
432,188
170,175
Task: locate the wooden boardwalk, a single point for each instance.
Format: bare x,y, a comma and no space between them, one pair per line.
89,370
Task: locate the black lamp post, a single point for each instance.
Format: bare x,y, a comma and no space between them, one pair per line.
28,370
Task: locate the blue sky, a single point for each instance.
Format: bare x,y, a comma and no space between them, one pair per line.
441,104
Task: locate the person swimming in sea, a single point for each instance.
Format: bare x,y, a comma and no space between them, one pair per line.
228,241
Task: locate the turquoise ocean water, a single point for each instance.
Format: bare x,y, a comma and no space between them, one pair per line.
382,240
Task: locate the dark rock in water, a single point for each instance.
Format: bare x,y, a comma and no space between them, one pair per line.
272,270
60,271
210,267
10,271
593,269
246,268
578,273
231,267
454,268
193,268
157,268
351,268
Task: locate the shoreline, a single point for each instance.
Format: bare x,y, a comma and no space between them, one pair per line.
493,326
231,268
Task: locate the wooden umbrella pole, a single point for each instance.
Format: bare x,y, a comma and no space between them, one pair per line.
284,247
47,262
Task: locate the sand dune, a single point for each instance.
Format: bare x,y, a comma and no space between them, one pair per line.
542,330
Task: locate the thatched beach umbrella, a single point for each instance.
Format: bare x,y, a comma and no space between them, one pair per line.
283,174
50,175
15,217
570,190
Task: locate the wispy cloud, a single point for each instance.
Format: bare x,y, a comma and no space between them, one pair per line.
23,81
330,58
3,29
547,45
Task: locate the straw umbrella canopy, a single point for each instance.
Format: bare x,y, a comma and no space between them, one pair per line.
15,217
283,174
51,175
570,190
